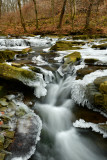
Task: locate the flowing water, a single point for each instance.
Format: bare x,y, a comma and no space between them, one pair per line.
61,139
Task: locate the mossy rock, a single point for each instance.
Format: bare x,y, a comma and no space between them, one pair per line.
72,58
9,134
101,46
87,70
9,54
103,87
7,142
2,156
1,141
66,45
13,73
3,109
6,55
101,100
5,118
3,102
90,60
20,112
100,80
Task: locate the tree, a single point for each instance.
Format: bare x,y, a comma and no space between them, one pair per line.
0,7
52,6
88,15
73,11
36,13
62,14
21,16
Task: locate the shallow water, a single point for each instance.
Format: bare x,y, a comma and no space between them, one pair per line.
60,139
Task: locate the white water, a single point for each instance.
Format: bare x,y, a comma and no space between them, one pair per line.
62,140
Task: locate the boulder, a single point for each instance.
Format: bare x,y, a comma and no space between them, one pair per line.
13,73
9,54
90,60
72,58
101,46
66,45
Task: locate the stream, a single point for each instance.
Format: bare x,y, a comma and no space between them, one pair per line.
69,130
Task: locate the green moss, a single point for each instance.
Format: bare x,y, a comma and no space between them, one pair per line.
103,87
100,80
66,45
72,58
90,60
101,46
2,156
9,54
8,141
9,134
20,112
14,73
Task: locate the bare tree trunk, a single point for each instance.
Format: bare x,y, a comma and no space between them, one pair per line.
36,13
73,11
0,7
21,16
88,16
62,14
52,6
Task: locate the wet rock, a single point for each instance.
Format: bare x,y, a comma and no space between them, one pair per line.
101,46
8,141
2,156
13,73
100,80
3,102
87,70
9,54
72,58
101,100
9,134
66,45
20,112
1,141
90,60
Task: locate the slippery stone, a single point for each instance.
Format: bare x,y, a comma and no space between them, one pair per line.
72,58
100,46
66,45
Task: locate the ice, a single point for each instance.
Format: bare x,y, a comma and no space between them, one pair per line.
48,75
38,60
78,87
82,124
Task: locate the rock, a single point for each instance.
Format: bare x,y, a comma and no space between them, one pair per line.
87,70
13,73
17,64
2,156
103,87
9,134
100,80
72,58
3,102
66,45
8,141
20,112
101,46
90,60
5,118
3,109
9,54
5,126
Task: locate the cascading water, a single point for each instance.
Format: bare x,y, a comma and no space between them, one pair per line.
62,135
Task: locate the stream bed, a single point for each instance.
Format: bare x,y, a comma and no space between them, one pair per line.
70,123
